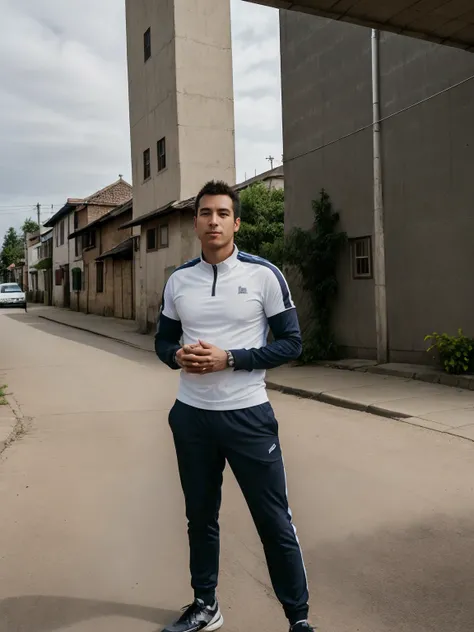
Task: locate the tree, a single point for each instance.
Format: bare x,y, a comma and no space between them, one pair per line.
29,226
12,250
315,254
262,222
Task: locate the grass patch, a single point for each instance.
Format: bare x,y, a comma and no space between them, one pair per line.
3,401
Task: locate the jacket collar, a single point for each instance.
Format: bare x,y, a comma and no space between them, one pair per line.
227,264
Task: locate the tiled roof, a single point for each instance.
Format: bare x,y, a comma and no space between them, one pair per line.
65,210
189,203
107,217
276,173
167,209
126,247
73,203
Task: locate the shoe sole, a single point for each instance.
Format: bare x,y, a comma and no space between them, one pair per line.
216,623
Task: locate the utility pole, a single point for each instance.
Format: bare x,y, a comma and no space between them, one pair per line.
25,267
270,160
38,210
381,320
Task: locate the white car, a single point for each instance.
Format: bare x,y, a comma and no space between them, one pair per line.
11,295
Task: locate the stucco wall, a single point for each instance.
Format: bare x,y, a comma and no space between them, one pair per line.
428,160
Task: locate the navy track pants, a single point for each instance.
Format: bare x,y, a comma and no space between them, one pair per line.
248,440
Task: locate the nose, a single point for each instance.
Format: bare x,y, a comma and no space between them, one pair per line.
213,220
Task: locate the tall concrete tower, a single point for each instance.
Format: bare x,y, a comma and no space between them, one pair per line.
181,98
182,128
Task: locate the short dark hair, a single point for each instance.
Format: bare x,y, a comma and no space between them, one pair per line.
218,187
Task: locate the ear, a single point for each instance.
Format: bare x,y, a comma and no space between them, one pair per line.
195,222
237,225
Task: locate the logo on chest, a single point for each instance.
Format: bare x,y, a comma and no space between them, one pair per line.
242,290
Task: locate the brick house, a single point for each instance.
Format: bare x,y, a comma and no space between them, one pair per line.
75,214
104,284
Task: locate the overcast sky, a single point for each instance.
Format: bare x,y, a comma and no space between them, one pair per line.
64,128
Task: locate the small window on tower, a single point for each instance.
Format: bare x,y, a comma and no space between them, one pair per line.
146,164
161,151
147,44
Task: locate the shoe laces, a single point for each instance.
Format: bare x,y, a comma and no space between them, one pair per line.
197,604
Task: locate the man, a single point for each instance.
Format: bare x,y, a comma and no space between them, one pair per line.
221,305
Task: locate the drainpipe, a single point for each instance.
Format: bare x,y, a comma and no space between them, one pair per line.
379,233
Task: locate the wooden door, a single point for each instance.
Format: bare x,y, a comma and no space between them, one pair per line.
118,289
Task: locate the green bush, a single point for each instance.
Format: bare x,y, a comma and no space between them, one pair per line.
456,353
315,253
44,264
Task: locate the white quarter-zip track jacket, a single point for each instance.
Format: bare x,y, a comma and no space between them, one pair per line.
231,305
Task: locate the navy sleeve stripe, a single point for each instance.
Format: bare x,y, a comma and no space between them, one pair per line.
246,258
188,264
169,329
286,346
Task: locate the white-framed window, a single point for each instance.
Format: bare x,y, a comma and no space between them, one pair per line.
361,258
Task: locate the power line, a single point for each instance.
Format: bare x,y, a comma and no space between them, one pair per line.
383,119
24,207
25,212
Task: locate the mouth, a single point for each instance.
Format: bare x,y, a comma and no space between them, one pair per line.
213,234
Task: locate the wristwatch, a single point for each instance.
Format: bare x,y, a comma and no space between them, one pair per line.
230,360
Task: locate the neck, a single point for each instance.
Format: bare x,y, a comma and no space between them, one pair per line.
217,256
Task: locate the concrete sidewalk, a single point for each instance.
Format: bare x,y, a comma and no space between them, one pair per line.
434,406
125,331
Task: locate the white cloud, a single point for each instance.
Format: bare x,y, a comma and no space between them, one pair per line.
256,52
63,99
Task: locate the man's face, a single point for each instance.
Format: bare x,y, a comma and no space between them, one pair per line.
214,223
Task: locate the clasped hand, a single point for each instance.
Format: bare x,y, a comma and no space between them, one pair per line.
201,358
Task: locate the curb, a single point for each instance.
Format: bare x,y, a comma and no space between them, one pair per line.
372,409
333,400
96,333
434,376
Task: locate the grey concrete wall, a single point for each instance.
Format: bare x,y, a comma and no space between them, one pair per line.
429,192
326,94
428,166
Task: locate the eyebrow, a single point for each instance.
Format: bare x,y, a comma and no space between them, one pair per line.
206,208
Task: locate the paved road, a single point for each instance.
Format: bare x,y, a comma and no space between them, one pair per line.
92,536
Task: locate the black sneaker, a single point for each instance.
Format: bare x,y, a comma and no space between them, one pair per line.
197,617
302,626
